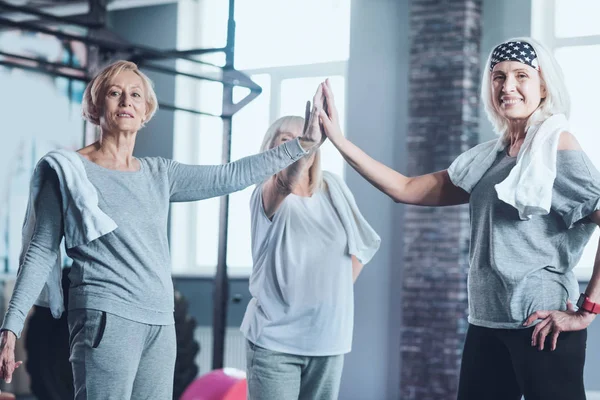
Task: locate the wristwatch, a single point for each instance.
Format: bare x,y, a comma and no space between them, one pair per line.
585,304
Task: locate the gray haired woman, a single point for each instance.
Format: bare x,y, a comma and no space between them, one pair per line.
112,209
309,244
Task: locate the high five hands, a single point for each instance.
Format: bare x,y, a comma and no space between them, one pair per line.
328,115
323,121
313,135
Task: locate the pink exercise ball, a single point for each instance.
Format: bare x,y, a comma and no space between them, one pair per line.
220,384
238,391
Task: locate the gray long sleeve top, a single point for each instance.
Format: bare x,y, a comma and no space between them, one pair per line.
128,271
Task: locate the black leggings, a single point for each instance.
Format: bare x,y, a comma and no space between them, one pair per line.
500,364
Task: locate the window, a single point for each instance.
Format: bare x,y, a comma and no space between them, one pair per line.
298,32
570,29
26,138
287,56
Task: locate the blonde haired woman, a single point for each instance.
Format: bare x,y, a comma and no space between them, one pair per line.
112,210
309,244
534,199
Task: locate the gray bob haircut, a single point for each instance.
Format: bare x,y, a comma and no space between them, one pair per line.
551,76
294,124
93,96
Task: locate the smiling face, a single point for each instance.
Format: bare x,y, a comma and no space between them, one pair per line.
124,103
517,90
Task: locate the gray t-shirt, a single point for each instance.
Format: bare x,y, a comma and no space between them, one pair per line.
519,267
127,272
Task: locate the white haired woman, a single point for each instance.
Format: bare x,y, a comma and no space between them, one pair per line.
534,198
112,210
309,244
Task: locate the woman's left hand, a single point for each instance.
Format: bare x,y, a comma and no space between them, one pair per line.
554,322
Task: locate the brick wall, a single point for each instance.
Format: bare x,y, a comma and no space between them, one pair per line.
443,120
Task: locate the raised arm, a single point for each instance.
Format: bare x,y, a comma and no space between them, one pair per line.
36,265
197,182
280,185
434,189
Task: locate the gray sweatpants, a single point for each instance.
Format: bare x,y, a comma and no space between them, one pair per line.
279,376
114,358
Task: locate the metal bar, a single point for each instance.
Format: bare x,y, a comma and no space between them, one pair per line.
240,104
44,67
221,283
45,63
191,52
171,107
47,16
98,11
231,82
71,64
40,70
241,79
111,45
54,69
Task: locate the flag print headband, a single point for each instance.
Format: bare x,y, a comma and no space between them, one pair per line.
522,52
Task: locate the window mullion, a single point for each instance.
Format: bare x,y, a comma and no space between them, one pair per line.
303,71
576,41
275,104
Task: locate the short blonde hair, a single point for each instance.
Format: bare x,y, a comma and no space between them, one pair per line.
93,102
551,77
294,124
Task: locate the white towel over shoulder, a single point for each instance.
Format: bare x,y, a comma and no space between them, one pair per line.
83,220
528,187
363,241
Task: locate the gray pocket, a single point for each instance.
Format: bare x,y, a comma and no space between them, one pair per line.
98,329
250,352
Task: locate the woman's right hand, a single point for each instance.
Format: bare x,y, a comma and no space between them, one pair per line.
329,115
313,135
7,355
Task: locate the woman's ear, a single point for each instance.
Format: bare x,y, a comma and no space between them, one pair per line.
543,90
146,116
95,113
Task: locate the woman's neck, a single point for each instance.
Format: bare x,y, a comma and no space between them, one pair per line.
113,151
302,187
516,136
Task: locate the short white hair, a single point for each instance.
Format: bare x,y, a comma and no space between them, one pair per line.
556,100
93,96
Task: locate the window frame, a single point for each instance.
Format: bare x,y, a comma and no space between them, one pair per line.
183,223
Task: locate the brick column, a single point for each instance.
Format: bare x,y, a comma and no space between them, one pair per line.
443,121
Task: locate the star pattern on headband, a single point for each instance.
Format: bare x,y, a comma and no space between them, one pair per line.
515,51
